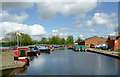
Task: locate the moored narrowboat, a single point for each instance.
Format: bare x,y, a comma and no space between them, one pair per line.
83,48
19,54
70,47
45,49
80,48
32,52
77,48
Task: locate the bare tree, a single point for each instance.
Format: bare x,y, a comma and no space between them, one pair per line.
117,30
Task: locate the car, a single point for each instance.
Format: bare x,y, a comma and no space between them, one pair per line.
98,46
92,46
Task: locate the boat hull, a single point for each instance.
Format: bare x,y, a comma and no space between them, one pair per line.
46,50
23,59
31,53
70,48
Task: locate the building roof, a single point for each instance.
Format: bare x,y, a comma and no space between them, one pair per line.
93,37
89,38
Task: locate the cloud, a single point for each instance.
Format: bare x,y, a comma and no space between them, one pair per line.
101,18
78,16
80,35
63,34
13,18
113,34
8,5
48,10
58,33
97,20
88,23
92,31
55,31
65,29
47,0
35,29
111,26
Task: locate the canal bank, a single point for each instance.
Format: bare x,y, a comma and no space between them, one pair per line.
105,52
8,62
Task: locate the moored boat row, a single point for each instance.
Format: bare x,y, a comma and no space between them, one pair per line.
23,54
78,48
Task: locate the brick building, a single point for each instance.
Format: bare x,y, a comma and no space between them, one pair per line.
93,40
113,42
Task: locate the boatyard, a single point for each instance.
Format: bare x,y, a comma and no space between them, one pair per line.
59,37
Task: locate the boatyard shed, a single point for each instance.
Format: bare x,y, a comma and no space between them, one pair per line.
93,40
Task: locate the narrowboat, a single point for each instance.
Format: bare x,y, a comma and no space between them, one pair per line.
83,48
37,50
77,48
45,49
80,48
56,46
32,52
19,54
70,47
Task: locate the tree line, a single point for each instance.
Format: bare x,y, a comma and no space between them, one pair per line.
25,39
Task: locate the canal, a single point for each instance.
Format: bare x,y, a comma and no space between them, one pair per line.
68,62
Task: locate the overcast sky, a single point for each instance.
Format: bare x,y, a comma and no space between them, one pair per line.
71,17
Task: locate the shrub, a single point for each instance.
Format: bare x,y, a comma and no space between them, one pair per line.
117,50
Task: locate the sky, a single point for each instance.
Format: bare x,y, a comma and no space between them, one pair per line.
64,18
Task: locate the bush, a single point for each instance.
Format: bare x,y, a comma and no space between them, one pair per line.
97,48
117,50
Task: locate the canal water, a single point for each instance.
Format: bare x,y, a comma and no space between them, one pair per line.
68,62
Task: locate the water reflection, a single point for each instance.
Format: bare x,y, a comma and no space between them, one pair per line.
5,73
67,62
21,70
12,72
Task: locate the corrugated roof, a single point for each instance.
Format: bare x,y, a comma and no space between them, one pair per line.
93,37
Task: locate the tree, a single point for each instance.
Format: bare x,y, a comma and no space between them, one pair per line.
63,41
70,40
11,38
79,40
49,41
53,40
35,42
25,39
43,40
56,40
